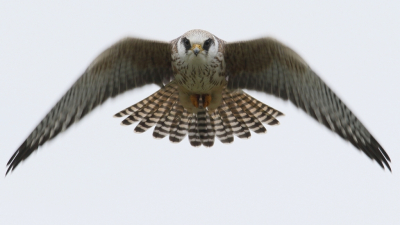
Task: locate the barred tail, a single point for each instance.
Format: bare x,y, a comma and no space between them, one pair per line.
238,114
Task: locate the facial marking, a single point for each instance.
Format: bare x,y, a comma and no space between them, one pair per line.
207,44
186,43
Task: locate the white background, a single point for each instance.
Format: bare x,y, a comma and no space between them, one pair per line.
99,172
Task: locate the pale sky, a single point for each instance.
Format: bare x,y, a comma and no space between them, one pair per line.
98,172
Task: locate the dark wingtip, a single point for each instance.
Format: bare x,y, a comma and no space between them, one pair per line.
390,169
20,155
385,159
10,168
12,163
373,140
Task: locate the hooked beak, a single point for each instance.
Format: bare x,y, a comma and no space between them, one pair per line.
196,48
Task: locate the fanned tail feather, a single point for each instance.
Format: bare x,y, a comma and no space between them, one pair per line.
174,119
237,115
224,134
163,126
204,126
194,136
163,108
263,112
180,125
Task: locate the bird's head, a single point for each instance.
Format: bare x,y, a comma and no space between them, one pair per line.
197,46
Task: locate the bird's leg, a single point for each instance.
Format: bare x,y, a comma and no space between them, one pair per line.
206,100
195,100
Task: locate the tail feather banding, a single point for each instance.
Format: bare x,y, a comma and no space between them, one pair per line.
237,115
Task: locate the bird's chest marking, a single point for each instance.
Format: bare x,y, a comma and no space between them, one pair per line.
199,77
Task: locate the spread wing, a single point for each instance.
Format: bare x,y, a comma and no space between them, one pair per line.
127,64
271,67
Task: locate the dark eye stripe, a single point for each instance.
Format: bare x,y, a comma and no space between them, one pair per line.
186,43
207,44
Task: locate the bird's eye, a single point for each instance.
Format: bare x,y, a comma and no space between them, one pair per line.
207,44
186,43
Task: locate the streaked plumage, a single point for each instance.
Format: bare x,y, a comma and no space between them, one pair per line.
201,77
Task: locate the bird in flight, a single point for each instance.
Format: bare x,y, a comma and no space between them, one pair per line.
201,79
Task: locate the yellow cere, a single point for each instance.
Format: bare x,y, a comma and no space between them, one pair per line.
197,46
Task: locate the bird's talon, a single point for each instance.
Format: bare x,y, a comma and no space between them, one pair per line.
206,100
195,100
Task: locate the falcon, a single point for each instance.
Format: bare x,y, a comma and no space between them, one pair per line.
201,79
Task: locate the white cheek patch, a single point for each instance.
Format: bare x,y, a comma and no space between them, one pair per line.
214,47
181,49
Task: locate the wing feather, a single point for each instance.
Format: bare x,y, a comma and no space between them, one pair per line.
266,65
128,64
